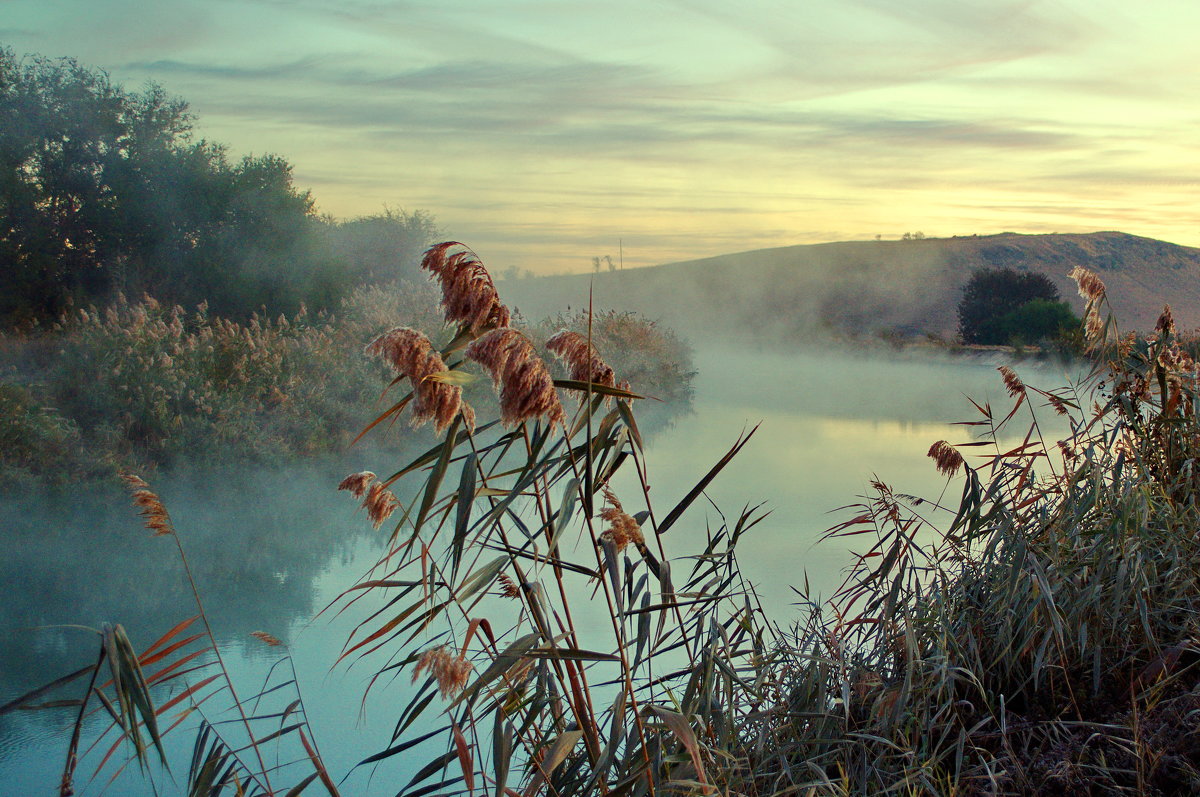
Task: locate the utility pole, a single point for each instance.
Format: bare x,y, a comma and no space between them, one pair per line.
621,253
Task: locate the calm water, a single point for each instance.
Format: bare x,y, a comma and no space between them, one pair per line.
271,549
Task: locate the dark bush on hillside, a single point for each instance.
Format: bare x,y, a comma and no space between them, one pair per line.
990,295
1036,321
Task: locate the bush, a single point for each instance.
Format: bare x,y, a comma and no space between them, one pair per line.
1036,321
990,296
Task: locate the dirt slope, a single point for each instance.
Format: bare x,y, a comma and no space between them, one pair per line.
909,287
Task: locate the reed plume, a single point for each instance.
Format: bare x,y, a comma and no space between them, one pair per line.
357,483
150,507
380,503
518,374
450,671
1166,323
946,457
469,296
1012,382
1091,287
411,354
623,529
508,587
581,358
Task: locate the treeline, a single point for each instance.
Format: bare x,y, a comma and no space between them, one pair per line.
105,191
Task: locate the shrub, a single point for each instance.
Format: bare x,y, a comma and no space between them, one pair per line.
990,295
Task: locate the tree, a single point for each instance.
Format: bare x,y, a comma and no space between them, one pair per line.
1036,320
102,189
386,246
990,295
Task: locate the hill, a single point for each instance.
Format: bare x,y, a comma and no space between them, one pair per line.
907,287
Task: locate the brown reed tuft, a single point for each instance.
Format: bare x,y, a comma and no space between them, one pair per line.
266,639
508,587
624,529
1012,382
1091,287
946,456
1058,404
581,358
357,483
450,671
411,354
519,375
469,296
380,503
150,507
1093,325
1166,322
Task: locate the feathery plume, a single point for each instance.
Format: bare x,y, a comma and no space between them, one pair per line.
581,358
150,507
411,354
1012,382
1058,404
469,296
1091,287
1166,323
380,503
450,671
946,456
357,483
1093,326
266,639
623,529
519,375
508,587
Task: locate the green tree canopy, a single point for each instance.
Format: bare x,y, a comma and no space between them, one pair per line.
103,189
987,313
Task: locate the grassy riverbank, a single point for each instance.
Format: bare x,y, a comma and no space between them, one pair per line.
142,385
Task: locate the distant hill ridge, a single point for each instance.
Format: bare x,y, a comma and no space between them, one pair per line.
911,287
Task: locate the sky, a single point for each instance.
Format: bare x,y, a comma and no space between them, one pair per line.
546,133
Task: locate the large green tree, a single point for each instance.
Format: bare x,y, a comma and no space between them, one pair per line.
991,298
103,189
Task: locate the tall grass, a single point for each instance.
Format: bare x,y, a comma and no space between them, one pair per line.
1038,638
140,384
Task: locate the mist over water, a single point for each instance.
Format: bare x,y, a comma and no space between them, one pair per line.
272,548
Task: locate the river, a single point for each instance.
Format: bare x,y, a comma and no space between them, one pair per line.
271,548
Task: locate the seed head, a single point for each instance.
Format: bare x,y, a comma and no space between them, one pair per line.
623,529
1166,323
266,639
581,358
1091,287
519,375
946,456
150,507
357,483
411,354
380,503
469,296
450,671
1012,382
508,587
